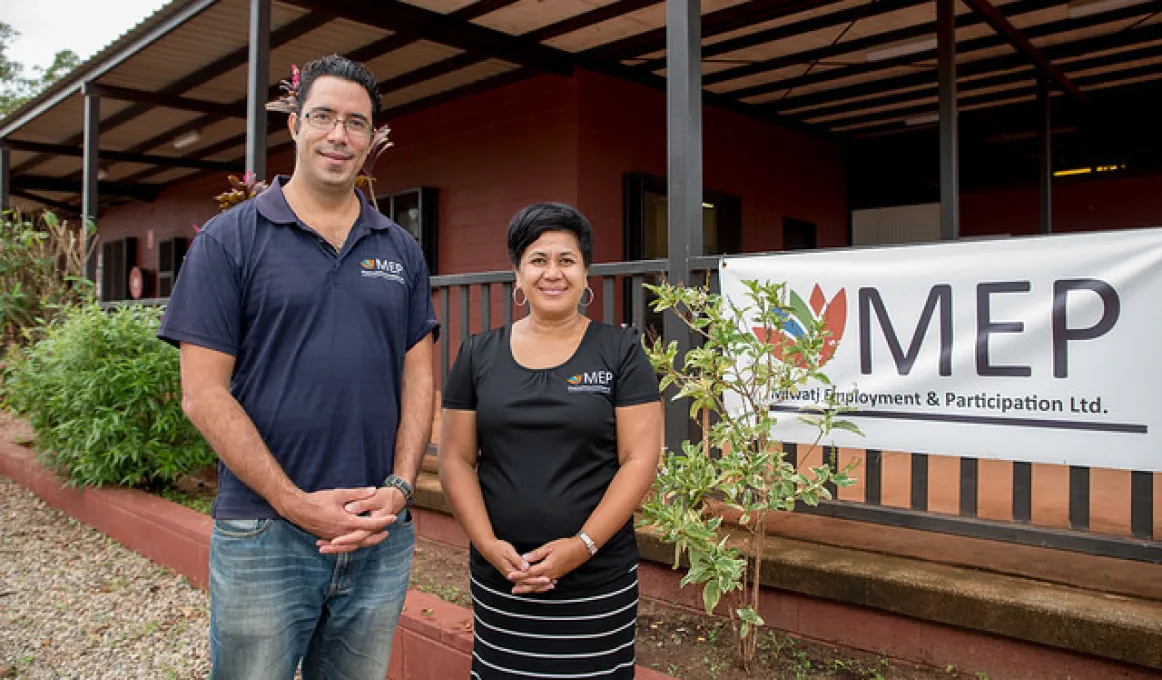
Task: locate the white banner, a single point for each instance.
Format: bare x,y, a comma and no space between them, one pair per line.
1039,349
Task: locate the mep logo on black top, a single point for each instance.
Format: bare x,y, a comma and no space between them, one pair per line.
592,381
382,269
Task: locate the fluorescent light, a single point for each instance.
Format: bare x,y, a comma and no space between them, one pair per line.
923,120
188,139
707,205
1090,7
1074,171
914,47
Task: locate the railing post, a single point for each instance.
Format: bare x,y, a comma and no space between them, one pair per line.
684,176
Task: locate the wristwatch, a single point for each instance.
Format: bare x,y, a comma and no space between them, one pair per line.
401,484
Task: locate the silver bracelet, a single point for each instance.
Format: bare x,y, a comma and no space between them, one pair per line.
589,544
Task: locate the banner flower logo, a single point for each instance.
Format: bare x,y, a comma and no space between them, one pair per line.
832,314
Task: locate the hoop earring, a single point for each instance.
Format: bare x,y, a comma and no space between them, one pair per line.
519,303
584,302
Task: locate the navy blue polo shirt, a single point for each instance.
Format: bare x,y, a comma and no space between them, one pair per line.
318,337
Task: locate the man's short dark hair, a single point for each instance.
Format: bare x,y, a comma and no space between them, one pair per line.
530,222
338,67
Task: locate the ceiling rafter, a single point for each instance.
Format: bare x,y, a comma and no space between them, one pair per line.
48,202
714,23
1005,29
1008,76
831,51
115,156
964,47
169,101
278,37
401,17
366,53
791,30
887,118
979,67
141,192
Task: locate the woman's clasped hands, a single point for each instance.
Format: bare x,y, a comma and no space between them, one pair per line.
539,570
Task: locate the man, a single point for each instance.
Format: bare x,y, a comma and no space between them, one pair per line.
305,323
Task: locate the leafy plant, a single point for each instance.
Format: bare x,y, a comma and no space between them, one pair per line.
240,190
738,372
42,266
103,396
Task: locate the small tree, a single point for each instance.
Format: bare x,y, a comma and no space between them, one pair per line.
42,266
745,365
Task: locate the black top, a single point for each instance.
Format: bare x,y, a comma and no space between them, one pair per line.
319,337
548,440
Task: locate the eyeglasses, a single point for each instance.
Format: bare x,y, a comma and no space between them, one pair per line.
326,120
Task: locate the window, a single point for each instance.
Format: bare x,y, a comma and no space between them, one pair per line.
170,255
798,234
646,217
117,258
415,211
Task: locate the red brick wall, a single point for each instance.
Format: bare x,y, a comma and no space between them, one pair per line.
775,171
488,155
173,214
1078,205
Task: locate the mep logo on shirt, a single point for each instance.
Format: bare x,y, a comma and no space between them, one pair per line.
592,381
375,268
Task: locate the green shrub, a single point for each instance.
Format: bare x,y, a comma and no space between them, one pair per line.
42,261
104,398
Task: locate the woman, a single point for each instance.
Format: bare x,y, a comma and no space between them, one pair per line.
566,416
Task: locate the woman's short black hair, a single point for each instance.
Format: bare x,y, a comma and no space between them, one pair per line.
342,68
530,222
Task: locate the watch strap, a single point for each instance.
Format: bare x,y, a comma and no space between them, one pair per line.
401,484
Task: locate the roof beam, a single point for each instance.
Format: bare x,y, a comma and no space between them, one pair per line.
367,52
72,83
466,59
169,101
997,80
141,192
118,156
279,36
489,83
962,48
400,17
59,205
868,42
713,23
1001,25
791,30
881,119
836,98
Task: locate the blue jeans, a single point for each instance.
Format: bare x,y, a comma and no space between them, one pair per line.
275,600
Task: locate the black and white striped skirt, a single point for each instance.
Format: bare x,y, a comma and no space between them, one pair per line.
571,634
